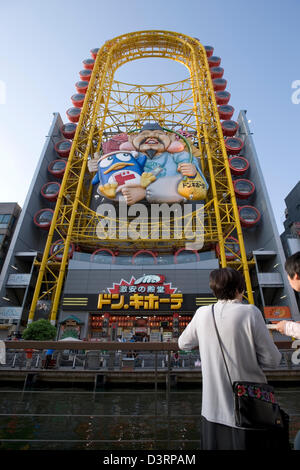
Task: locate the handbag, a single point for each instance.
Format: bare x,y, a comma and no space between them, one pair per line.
255,405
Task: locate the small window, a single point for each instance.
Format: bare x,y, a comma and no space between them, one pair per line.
4,220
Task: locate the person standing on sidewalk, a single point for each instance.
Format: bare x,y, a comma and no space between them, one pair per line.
248,347
292,267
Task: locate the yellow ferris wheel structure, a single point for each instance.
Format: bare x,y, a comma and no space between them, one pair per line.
111,107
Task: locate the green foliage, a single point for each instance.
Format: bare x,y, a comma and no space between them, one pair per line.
40,330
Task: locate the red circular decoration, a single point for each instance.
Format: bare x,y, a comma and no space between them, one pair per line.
78,100
216,72
73,114
231,243
214,61
50,190
226,111
144,251
88,64
189,251
63,148
209,50
229,128
107,250
68,130
219,84
43,218
85,75
94,52
243,188
233,145
238,165
57,168
249,216
222,97
82,86
60,244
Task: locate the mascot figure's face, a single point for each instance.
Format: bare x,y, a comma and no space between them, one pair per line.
152,140
121,168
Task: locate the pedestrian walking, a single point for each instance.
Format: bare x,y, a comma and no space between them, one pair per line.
48,358
248,348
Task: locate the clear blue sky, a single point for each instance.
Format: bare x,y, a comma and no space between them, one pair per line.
43,44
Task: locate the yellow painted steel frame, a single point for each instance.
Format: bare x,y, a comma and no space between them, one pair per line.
72,216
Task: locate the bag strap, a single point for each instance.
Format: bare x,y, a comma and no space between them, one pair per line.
219,339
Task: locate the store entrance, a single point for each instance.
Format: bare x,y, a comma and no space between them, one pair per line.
134,328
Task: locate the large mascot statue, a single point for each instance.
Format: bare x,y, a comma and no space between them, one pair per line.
153,166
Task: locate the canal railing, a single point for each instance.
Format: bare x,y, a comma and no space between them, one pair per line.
108,361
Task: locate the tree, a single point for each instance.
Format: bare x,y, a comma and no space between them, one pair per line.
40,330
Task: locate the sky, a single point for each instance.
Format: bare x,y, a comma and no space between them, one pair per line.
43,44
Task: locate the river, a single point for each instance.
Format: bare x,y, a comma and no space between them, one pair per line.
115,418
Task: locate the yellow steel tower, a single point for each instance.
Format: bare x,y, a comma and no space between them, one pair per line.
112,107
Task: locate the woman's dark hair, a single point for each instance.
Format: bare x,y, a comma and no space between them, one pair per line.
292,265
226,282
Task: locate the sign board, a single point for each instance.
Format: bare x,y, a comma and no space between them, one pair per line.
136,303
10,313
18,280
277,313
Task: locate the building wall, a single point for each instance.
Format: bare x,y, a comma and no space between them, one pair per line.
290,238
264,240
9,214
28,241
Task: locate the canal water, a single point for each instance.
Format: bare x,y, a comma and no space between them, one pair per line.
114,418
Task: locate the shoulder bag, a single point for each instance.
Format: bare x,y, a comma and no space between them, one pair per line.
255,405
